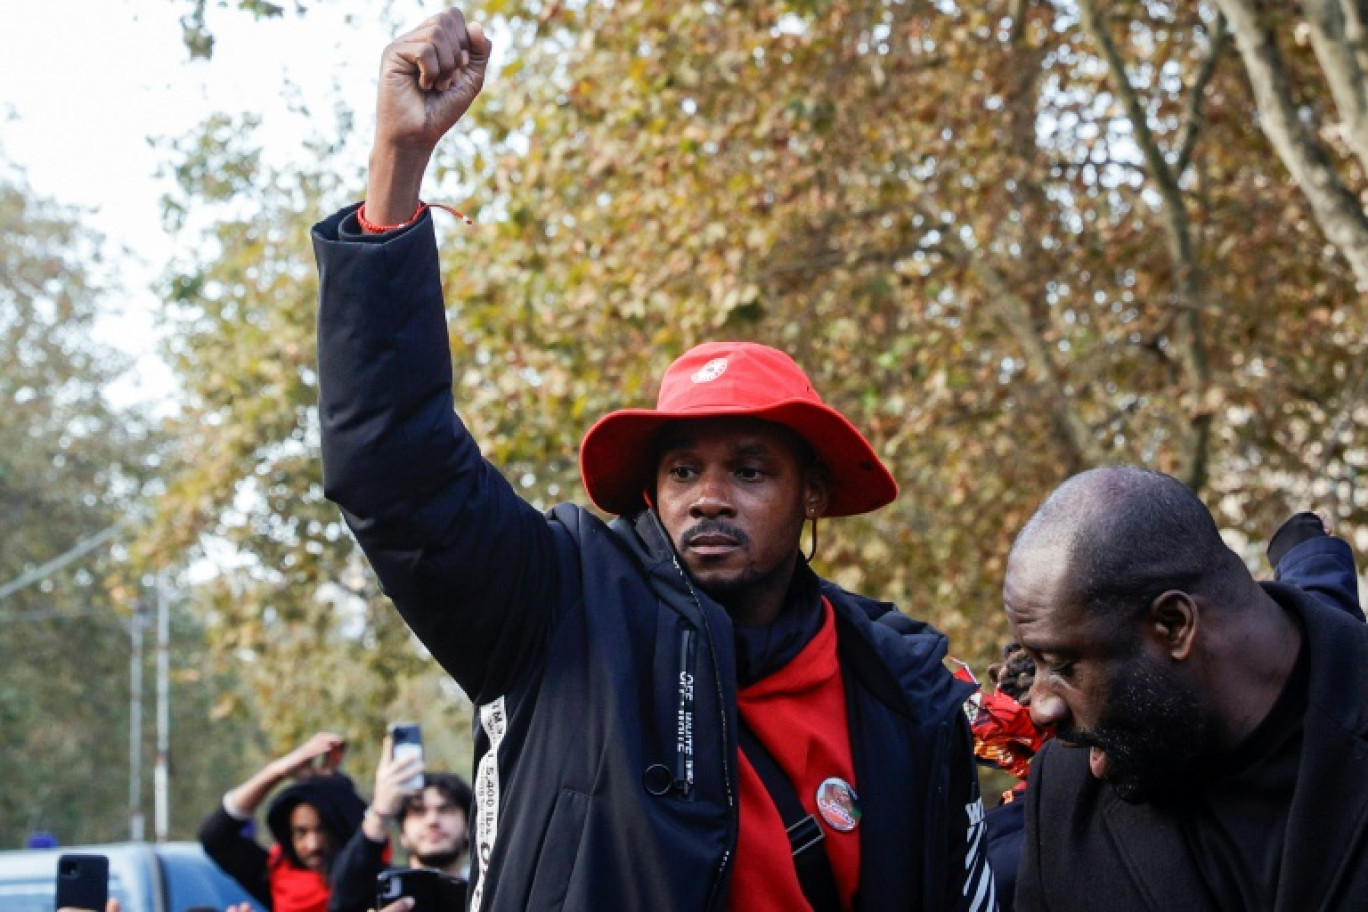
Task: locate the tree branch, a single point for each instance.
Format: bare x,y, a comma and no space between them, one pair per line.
1014,312
1341,59
1187,285
1337,211
1193,116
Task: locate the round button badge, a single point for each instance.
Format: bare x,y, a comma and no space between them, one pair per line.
838,804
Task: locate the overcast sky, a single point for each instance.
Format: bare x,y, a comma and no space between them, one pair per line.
83,83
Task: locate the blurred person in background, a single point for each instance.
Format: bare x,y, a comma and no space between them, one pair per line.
310,820
432,821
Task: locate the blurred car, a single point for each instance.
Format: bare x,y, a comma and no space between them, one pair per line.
166,877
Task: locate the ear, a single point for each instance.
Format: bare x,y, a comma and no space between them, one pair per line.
816,492
1173,619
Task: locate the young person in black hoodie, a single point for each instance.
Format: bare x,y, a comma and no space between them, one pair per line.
310,821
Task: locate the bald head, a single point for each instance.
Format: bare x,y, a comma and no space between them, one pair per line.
1114,538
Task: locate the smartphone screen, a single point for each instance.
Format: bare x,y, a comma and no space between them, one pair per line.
432,891
82,882
407,741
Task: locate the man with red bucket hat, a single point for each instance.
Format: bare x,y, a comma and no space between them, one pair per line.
674,710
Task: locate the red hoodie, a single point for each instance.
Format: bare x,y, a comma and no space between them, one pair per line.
799,714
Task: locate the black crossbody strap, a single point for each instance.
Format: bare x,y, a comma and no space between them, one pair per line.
804,832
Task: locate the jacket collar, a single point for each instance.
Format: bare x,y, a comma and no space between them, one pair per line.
901,661
1330,800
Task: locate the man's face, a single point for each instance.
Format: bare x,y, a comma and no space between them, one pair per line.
434,830
1102,686
309,839
732,494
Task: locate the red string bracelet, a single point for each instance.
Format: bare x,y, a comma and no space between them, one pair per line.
372,228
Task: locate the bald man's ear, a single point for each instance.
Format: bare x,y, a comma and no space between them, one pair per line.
1173,618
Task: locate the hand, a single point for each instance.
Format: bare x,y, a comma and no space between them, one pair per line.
428,80
402,904
111,905
303,761
391,775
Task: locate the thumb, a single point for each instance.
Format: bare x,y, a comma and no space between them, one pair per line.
480,45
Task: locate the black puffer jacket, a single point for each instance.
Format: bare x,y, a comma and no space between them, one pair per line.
605,681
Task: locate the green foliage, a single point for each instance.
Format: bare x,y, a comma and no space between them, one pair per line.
71,466
68,465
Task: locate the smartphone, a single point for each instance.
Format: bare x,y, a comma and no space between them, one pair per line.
406,740
432,891
82,882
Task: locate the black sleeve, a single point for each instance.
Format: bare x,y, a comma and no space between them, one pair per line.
239,856
353,874
1299,528
1320,565
1006,835
473,569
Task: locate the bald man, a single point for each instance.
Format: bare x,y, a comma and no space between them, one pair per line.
1211,749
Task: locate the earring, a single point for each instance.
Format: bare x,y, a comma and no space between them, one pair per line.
812,552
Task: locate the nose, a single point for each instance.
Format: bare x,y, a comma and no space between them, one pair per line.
1046,706
711,498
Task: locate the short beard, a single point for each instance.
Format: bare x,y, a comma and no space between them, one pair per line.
439,860
1153,731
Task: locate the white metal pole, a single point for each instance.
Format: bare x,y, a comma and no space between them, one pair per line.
161,778
135,685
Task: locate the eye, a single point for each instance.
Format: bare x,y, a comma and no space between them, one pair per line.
1062,670
749,473
680,472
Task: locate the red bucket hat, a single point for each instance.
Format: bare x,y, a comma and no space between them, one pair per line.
617,457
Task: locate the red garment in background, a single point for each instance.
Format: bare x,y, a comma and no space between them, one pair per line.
799,714
1004,735
294,889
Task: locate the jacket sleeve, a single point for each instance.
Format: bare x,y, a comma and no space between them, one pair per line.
470,566
972,884
353,874
1320,565
240,857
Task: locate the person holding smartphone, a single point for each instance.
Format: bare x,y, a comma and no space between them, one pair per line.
431,812
309,820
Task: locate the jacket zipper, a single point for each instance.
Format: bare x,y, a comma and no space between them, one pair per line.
725,861
936,815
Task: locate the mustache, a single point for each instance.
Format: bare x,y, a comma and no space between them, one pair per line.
713,527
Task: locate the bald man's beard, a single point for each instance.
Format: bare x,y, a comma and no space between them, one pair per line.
1154,732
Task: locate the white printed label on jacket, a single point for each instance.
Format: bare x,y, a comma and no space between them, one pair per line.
979,890
494,720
